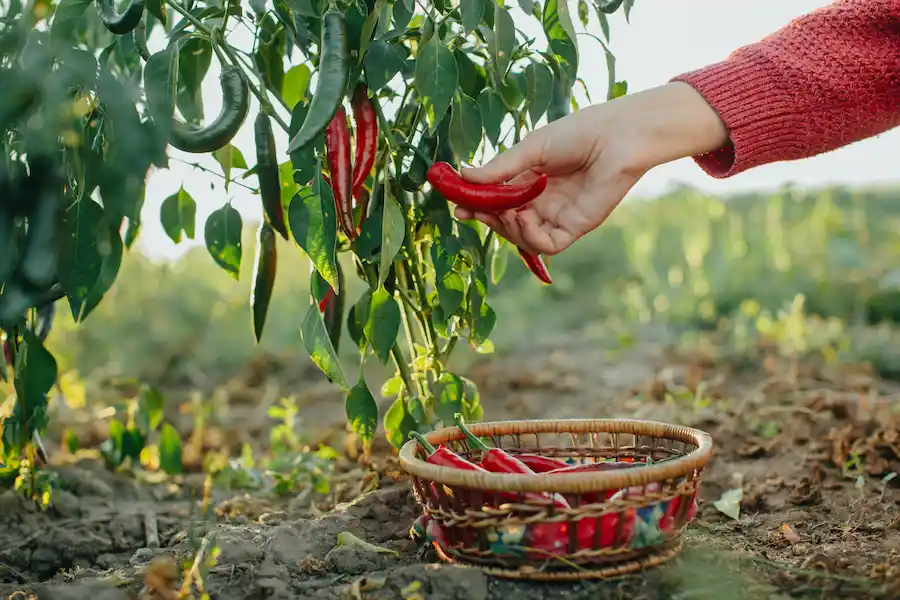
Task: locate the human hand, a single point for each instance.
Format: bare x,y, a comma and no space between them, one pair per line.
593,158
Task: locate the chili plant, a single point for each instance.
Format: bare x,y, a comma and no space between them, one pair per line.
370,93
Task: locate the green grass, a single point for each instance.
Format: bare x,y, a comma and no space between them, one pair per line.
685,259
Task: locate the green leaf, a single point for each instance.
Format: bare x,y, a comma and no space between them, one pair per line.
157,8
229,158
383,323
448,397
304,161
193,62
471,12
561,37
620,88
472,77
583,13
392,387
393,230
223,239
492,114
629,4
80,260
111,250
67,17
382,62
160,86
451,291
318,345
465,127
539,84
36,373
150,408
503,41
356,319
527,6
313,222
398,423
296,83
177,215
604,24
362,411
170,450
269,55
483,316
436,79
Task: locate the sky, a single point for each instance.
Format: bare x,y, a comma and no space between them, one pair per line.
664,39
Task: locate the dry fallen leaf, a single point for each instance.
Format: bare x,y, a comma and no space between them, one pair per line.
789,534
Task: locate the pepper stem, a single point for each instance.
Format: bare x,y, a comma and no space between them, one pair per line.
475,441
422,442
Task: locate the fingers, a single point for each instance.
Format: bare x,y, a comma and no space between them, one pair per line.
522,157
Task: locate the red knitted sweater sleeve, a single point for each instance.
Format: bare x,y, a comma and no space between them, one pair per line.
827,79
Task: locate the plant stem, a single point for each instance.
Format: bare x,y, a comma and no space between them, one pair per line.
210,171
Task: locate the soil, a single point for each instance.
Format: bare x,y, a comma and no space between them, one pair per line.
783,431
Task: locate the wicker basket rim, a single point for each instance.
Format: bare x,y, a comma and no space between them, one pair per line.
571,483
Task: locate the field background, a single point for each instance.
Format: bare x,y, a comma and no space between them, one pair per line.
768,319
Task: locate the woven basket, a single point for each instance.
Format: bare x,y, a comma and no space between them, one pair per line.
529,538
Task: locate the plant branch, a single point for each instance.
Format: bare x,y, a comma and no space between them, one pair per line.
210,171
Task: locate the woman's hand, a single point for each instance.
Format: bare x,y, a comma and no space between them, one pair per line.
593,158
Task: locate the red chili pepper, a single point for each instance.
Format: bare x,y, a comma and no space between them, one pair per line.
337,152
323,303
542,464
497,460
536,265
594,497
553,538
444,457
366,136
482,197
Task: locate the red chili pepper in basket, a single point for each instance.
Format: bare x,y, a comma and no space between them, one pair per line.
550,539
497,460
542,464
366,136
594,497
482,197
536,265
337,152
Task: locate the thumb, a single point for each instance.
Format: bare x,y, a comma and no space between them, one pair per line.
522,157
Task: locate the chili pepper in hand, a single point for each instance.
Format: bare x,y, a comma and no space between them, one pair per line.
267,173
333,68
366,136
337,151
482,197
536,265
497,460
542,464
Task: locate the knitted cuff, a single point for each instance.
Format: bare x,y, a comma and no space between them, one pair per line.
762,122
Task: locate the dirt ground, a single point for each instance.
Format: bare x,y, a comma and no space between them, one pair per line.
783,432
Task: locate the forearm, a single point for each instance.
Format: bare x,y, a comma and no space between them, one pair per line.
826,80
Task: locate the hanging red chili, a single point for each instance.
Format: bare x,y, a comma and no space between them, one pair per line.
323,303
542,464
482,197
337,151
536,265
366,136
497,460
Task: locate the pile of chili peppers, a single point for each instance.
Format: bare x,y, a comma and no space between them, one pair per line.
490,198
542,539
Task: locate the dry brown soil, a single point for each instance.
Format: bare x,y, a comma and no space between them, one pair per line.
783,432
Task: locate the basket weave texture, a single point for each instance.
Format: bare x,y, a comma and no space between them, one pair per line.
618,521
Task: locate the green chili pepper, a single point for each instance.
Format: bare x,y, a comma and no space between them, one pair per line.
263,277
39,260
333,76
235,106
140,39
124,22
267,173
